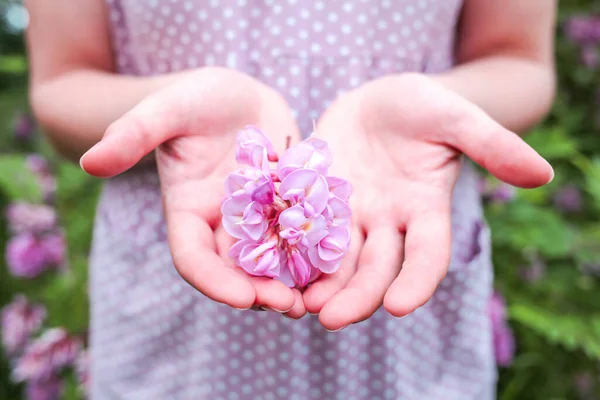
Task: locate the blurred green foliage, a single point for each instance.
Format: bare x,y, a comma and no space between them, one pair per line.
556,316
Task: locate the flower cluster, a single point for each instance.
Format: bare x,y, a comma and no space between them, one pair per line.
504,341
49,354
39,361
584,30
40,167
38,243
23,126
20,320
292,221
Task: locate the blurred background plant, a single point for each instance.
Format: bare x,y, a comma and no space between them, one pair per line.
545,313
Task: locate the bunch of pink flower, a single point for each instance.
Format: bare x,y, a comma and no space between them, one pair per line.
39,362
20,320
47,356
38,243
292,220
504,340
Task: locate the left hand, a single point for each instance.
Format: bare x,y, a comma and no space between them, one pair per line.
399,140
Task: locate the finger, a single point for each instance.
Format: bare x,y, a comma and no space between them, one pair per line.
224,242
273,294
378,265
298,310
153,121
194,254
427,255
503,153
326,286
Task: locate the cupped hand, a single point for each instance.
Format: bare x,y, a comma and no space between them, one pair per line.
399,141
192,125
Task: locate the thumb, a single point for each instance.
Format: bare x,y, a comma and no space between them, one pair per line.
153,121
502,152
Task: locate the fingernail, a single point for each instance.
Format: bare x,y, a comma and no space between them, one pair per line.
337,330
242,309
313,313
274,310
552,176
81,161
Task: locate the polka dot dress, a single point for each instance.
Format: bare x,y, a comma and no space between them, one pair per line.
154,337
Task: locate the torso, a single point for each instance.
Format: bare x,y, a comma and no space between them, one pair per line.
155,337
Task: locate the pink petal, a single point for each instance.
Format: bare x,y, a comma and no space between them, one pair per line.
297,182
252,133
268,264
299,268
260,259
329,253
292,159
316,230
339,187
253,222
341,212
285,275
235,206
253,214
339,237
317,195
324,266
293,217
265,193
231,226
255,232
234,184
292,235
236,249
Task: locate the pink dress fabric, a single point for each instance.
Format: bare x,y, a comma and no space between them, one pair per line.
154,337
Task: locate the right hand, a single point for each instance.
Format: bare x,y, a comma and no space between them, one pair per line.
192,124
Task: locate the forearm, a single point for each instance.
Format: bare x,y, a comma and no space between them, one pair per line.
75,108
515,91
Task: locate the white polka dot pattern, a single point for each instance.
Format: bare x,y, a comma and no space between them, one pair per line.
154,337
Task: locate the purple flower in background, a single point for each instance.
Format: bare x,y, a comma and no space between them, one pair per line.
82,367
47,356
41,168
48,185
504,346
28,255
20,319
25,217
584,383
583,29
536,268
503,193
589,56
497,191
38,164
23,126
48,389
568,199
504,341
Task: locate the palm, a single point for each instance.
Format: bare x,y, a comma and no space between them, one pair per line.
193,126
400,153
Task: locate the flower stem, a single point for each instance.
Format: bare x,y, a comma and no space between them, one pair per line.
288,141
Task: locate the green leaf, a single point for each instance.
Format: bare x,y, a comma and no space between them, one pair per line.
574,332
521,225
13,64
17,180
552,143
592,179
